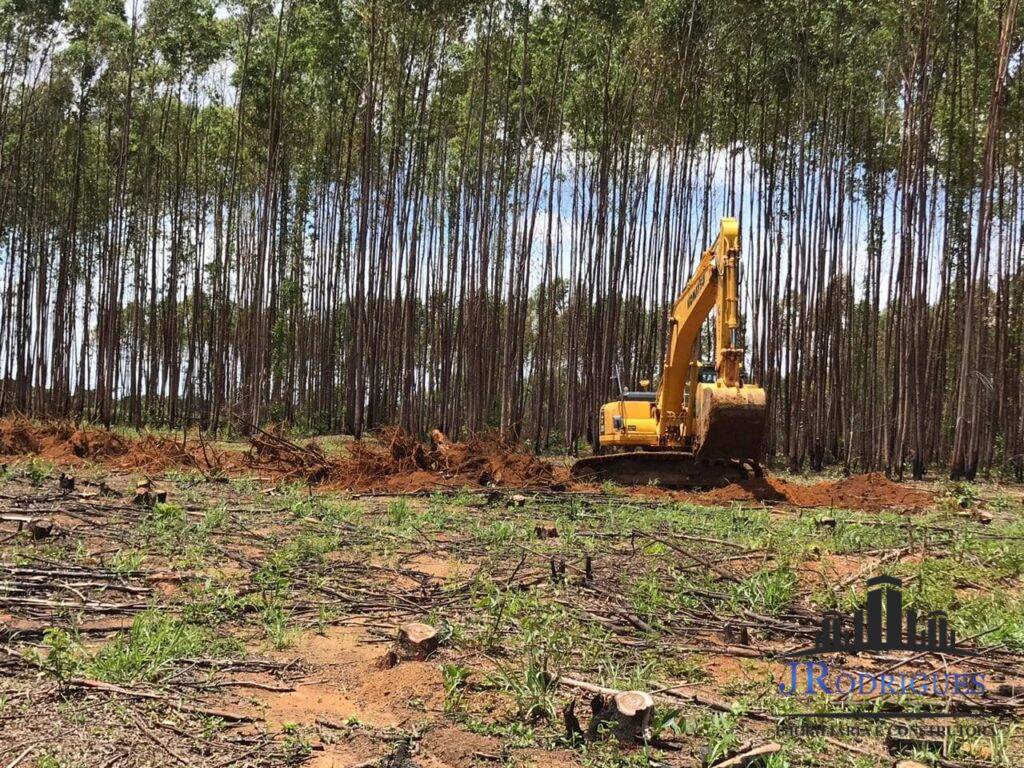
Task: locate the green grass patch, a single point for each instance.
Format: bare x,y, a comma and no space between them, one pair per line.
146,652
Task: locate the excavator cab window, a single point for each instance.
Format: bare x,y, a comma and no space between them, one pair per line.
708,374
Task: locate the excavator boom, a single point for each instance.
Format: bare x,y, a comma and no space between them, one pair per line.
703,427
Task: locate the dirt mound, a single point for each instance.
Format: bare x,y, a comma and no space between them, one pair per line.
865,492
397,462
17,437
58,441
456,747
398,685
64,443
96,444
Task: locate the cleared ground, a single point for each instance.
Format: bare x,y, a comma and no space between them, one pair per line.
246,619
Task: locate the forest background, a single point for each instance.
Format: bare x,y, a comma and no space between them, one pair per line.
344,214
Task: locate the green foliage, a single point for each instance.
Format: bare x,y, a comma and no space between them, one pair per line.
455,677
768,590
65,655
146,652
532,687
37,471
275,624
720,731
125,561
304,549
297,743
960,494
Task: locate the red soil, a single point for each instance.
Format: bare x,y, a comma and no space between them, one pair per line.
869,492
397,463
480,461
65,444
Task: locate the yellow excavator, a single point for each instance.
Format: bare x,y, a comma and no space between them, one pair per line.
705,425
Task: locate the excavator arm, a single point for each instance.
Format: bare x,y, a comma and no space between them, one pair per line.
715,284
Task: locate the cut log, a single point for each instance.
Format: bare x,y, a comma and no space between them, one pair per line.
416,641
625,715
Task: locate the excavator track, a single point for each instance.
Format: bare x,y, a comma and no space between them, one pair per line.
675,470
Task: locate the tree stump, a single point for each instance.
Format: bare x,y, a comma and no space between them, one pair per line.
573,731
557,570
546,531
625,715
40,528
148,495
736,634
142,497
416,641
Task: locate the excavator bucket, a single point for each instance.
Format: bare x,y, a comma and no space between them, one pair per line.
730,423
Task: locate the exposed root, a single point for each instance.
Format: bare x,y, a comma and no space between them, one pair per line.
270,450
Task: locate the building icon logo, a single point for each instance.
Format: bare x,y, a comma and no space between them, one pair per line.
900,631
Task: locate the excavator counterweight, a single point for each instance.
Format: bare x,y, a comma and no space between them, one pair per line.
705,426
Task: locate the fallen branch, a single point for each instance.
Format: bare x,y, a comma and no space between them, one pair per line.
99,685
747,757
